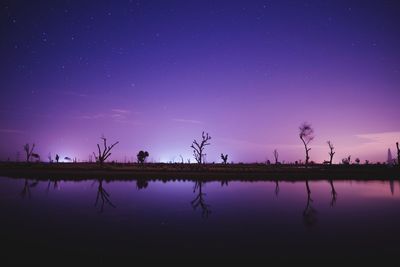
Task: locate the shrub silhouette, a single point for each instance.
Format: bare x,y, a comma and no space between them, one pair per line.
141,156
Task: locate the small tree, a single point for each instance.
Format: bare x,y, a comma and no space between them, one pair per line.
29,151
331,153
141,156
224,158
276,156
57,158
306,135
346,161
199,148
103,155
357,161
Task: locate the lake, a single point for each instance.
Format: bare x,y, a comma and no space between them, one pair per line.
95,221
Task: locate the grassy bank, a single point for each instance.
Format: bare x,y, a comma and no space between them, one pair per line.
164,171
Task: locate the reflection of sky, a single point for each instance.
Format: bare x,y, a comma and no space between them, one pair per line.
154,75
245,219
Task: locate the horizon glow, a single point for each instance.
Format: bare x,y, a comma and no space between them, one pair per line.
154,74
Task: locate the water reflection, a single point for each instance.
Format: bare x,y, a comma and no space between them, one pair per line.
333,193
55,185
26,190
199,200
276,188
309,213
103,196
141,183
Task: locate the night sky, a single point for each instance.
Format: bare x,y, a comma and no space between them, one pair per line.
155,74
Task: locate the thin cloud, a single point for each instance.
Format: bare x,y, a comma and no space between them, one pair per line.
121,111
72,93
11,131
188,121
380,138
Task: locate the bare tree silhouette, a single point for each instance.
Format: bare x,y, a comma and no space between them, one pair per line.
306,135
141,156
224,158
331,153
309,213
103,196
199,148
199,201
103,155
398,153
333,193
29,151
276,156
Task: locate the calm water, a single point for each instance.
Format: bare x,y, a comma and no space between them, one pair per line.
97,221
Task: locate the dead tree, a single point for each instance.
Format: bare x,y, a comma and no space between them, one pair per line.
276,156
224,158
306,135
199,200
199,148
103,155
331,153
29,151
398,153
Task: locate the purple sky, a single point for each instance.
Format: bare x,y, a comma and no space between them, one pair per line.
155,74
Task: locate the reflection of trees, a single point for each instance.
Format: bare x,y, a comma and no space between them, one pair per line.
333,193
309,213
26,190
224,182
103,196
391,184
141,184
276,188
199,199
55,185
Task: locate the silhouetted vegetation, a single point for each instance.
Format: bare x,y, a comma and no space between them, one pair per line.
306,135
29,151
57,158
331,153
198,148
224,158
105,153
141,156
346,161
398,153
276,156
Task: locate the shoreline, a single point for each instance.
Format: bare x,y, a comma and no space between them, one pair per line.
206,172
